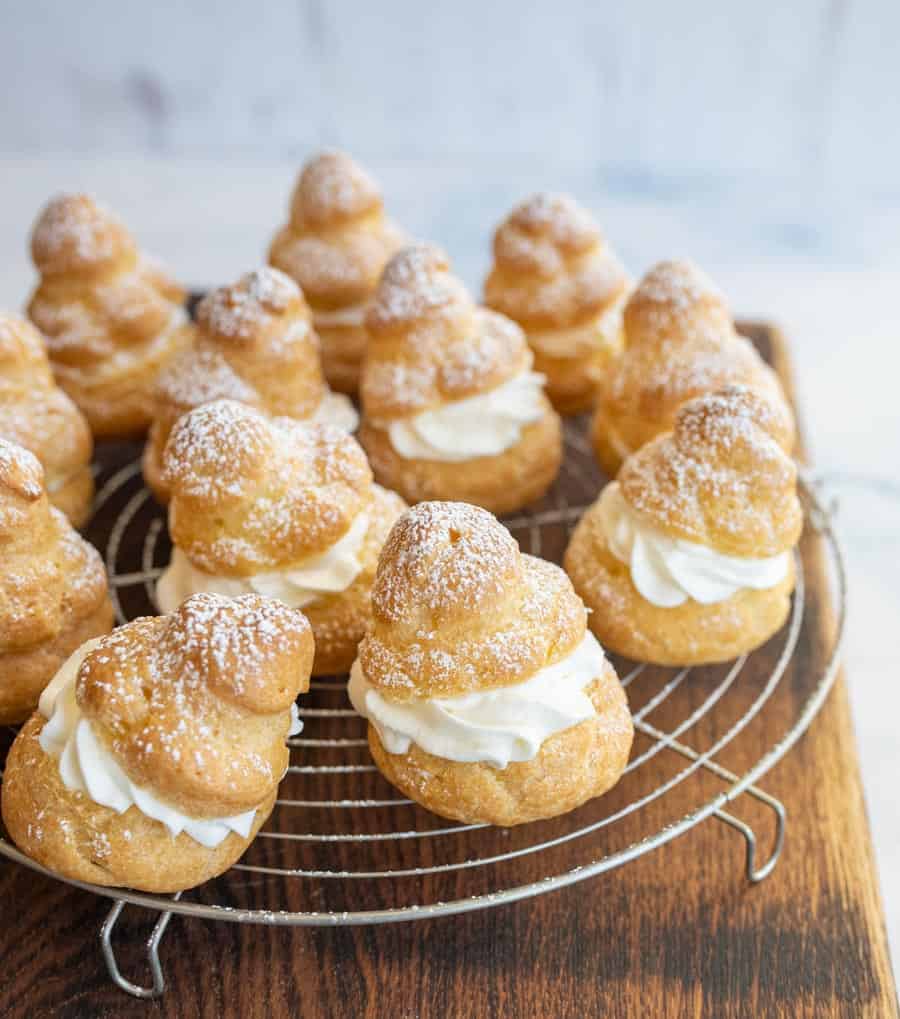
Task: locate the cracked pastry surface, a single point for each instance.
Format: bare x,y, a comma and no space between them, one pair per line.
335,245
256,344
487,699
680,342
113,318
281,508
37,414
156,753
687,558
555,276
53,589
451,406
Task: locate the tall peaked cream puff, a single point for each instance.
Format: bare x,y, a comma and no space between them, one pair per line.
680,342
554,274
112,318
53,593
335,245
280,508
451,406
37,414
487,699
255,343
687,558
155,755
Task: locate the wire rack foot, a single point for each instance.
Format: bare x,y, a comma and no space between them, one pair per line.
153,942
755,874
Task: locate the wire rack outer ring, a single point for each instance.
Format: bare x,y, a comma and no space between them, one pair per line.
819,518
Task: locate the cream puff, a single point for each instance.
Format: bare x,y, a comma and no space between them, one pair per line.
335,245
554,274
37,414
255,343
277,507
687,558
155,754
451,406
680,342
53,593
487,698
112,318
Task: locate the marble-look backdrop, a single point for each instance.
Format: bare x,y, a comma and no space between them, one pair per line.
649,93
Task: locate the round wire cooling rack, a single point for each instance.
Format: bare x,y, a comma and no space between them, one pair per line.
341,846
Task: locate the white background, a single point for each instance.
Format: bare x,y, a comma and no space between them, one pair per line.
762,139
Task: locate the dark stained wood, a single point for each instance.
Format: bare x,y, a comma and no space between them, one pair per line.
679,932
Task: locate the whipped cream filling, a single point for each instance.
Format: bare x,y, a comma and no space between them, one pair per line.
351,315
338,410
668,571
497,726
579,341
297,585
481,425
86,766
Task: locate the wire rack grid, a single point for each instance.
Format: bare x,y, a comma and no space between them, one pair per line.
341,847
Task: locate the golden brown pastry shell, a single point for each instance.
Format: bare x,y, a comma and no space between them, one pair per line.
572,381
122,406
339,621
75,497
502,484
70,834
25,673
688,634
572,767
151,464
343,350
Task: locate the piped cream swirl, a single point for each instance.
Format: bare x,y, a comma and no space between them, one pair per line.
338,410
668,571
497,726
86,766
481,425
297,586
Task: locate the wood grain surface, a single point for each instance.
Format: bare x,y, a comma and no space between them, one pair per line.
679,932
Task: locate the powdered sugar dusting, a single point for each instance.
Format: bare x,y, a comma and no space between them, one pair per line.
416,283
441,555
75,229
20,471
290,489
173,694
331,188
241,310
542,231
202,375
721,474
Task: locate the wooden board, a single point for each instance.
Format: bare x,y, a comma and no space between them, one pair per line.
679,932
